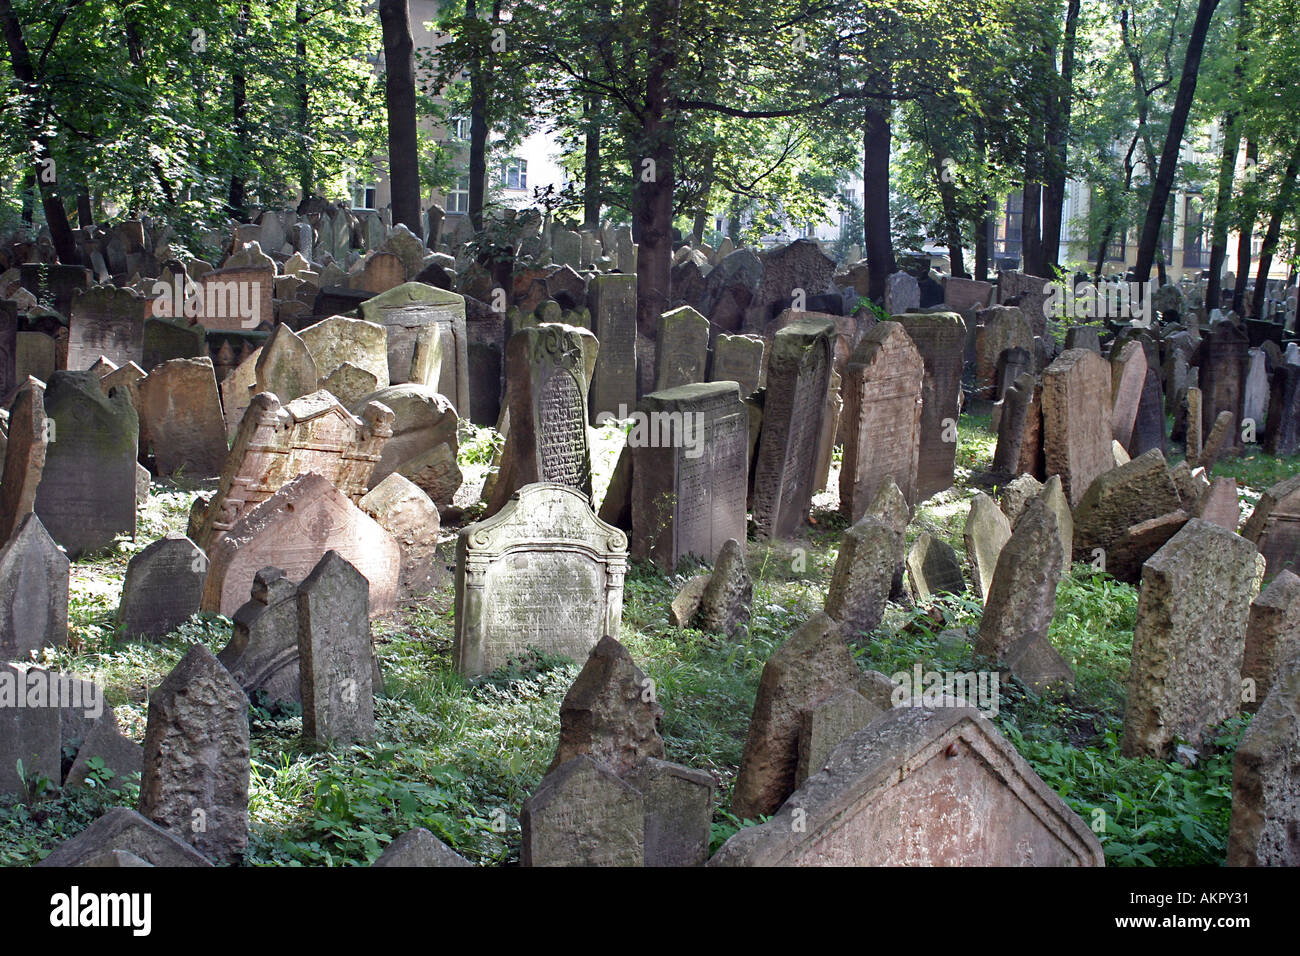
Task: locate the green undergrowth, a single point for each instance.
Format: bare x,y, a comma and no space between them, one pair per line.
458,757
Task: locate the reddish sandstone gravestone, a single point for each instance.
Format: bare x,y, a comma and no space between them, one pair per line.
292,530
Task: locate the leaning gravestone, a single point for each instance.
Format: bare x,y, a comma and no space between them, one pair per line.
1076,419
87,492
798,378
163,586
939,337
196,757
543,572
1188,644
682,348
920,787
262,655
881,424
180,412
24,456
414,315
293,529
689,472
33,592
582,814
334,654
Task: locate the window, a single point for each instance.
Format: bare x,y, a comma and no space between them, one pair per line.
458,198
363,197
514,173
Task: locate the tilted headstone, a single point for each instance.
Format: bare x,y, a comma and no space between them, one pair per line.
690,467
939,337
334,653
881,427
163,586
798,378
1189,641
24,456
196,757
87,492
543,572
180,413
414,315
1076,419
983,803
292,530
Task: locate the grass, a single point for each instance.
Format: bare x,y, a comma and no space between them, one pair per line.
459,757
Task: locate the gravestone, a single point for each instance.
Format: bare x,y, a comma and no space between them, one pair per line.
682,348
196,758
543,572
33,592
1274,527
812,665
987,531
881,428
285,366
24,456
423,322
334,654
1076,419
262,655
798,378
863,576
582,814
87,492
739,359
106,321
920,787
1021,601
1189,641
180,413
1272,635
689,472
424,443
612,301
293,530
607,715
163,586
939,337
933,568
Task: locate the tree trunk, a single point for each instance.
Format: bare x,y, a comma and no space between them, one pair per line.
399,89
1057,141
1245,234
1281,206
1164,180
877,240
591,197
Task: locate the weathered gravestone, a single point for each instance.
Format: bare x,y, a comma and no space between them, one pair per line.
180,413
544,572
87,492
920,787
798,378
1076,419
414,316
881,428
1021,601
612,301
1189,641
163,586
29,730
1265,825
1274,527
582,814
278,443
196,757
739,359
262,655
1272,636
682,348
106,321
334,654
123,831
939,337
293,529
424,442
24,456
689,472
